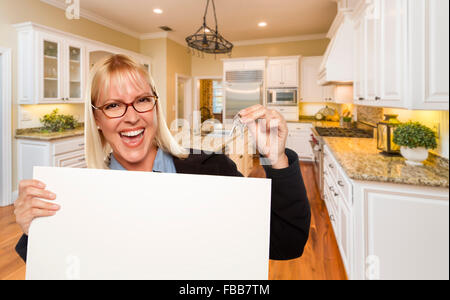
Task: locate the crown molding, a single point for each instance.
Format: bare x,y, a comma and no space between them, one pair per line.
286,39
95,18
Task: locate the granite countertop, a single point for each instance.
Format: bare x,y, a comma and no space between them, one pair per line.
361,160
37,134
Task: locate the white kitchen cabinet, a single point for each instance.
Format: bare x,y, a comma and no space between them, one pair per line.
67,152
53,65
247,64
385,230
401,57
403,232
310,89
298,140
380,53
290,113
429,54
283,72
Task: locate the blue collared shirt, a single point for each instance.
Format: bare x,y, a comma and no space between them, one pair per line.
163,163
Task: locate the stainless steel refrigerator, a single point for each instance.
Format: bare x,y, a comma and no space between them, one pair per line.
242,89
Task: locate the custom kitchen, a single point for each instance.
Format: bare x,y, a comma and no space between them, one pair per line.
363,86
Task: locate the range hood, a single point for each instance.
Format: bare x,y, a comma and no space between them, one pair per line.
337,64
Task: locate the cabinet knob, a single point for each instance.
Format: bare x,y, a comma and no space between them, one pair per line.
360,98
377,98
340,183
331,166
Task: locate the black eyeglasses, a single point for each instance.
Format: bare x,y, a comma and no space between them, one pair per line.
118,109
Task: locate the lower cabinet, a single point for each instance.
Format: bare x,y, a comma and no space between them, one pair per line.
387,231
403,232
290,113
67,152
298,140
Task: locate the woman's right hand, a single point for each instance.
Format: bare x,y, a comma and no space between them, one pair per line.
28,206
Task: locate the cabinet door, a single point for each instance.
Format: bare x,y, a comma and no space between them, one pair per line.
290,74
407,235
392,47
311,91
75,63
328,93
299,142
50,69
371,27
275,74
359,64
429,22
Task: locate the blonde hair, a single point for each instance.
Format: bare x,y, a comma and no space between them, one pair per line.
120,67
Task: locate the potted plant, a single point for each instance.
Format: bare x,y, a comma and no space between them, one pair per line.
414,140
55,122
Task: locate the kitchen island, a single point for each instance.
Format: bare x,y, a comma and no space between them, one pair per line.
390,219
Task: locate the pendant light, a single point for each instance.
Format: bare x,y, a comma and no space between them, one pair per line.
207,40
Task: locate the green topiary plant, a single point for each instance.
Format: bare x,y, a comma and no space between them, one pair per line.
58,123
415,135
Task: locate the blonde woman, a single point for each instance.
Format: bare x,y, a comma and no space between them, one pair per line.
125,129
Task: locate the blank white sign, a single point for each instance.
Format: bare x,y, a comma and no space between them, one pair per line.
143,225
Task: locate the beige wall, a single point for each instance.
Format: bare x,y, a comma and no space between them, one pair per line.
18,11
212,66
178,62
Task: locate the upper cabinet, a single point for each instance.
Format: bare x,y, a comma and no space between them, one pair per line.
401,54
53,66
283,72
312,91
429,53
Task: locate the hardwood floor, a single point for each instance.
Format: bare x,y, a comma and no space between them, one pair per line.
321,259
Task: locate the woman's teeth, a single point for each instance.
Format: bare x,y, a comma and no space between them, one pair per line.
132,133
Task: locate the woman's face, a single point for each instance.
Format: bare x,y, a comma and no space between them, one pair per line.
131,136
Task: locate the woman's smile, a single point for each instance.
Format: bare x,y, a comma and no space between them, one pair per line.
133,137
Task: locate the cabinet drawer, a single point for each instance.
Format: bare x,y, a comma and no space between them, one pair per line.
68,146
70,159
299,126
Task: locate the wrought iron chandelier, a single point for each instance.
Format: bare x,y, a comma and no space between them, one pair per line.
208,40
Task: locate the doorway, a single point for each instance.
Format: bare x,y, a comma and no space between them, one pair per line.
5,128
209,98
183,100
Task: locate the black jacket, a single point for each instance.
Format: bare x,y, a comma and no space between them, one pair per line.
290,217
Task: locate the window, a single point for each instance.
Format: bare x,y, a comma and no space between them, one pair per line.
217,97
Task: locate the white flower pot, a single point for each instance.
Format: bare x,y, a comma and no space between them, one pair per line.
414,156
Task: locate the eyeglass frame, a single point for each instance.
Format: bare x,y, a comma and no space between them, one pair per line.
127,105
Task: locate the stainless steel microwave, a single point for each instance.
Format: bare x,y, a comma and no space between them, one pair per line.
286,96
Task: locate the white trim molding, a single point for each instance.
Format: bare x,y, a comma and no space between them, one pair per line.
6,136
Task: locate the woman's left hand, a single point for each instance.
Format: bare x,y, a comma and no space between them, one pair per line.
270,131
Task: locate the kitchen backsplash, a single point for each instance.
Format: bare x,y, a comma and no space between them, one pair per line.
29,115
368,114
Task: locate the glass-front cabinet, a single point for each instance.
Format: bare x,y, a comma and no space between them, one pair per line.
61,75
75,72
51,73
53,66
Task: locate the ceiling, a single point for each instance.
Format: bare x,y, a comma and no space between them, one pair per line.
238,19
